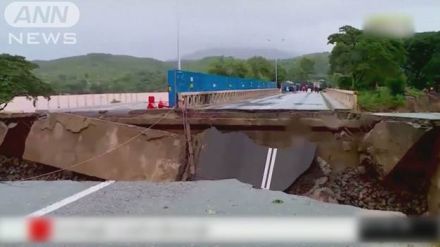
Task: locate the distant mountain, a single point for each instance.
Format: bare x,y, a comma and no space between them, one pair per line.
243,53
118,73
104,72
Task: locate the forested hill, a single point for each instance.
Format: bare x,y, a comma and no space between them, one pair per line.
98,73
103,73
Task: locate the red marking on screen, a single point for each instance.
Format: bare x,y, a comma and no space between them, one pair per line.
40,229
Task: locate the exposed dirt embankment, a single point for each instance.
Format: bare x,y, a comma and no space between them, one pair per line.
422,103
14,169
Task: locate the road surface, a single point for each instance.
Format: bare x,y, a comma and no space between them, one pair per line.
301,101
222,198
135,199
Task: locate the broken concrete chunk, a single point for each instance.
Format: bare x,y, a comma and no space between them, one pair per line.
324,165
12,125
388,142
235,155
324,195
105,149
73,123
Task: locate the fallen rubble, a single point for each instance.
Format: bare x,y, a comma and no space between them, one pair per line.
365,162
357,187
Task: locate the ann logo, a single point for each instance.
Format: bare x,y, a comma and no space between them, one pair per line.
42,14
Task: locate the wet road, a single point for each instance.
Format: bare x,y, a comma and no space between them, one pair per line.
222,198
290,101
300,101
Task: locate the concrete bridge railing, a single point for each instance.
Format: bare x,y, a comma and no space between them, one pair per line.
345,97
200,99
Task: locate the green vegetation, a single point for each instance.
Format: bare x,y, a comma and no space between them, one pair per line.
413,92
102,73
17,79
423,63
307,67
255,67
379,100
295,71
99,73
364,62
381,68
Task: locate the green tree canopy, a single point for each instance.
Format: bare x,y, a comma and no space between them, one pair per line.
422,67
367,61
17,79
261,68
304,70
255,67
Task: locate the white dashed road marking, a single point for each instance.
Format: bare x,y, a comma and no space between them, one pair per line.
70,199
268,168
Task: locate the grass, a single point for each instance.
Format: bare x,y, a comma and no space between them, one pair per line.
380,100
414,92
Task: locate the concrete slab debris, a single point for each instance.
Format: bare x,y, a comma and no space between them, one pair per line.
235,155
415,115
388,142
105,149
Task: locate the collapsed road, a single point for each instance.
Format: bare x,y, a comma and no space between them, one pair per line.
332,157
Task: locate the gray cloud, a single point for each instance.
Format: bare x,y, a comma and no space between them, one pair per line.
147,28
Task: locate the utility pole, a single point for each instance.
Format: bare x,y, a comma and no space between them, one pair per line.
179,62
276,61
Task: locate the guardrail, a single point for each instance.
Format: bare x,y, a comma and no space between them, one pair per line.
200,99
345,97
193,82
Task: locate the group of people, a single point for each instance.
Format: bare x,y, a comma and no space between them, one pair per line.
302,87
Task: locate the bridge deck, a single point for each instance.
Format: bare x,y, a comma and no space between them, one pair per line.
301,101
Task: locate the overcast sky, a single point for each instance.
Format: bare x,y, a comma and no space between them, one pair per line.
147,28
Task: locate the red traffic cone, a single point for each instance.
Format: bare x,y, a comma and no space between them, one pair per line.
161,104
150,102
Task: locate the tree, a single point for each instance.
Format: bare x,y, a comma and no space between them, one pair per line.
261,68
307,67
422,53
369,61
282,74
432,71
218,67
256,67
17,79
344,55
239,68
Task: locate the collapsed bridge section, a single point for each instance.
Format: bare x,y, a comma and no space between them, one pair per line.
271,151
